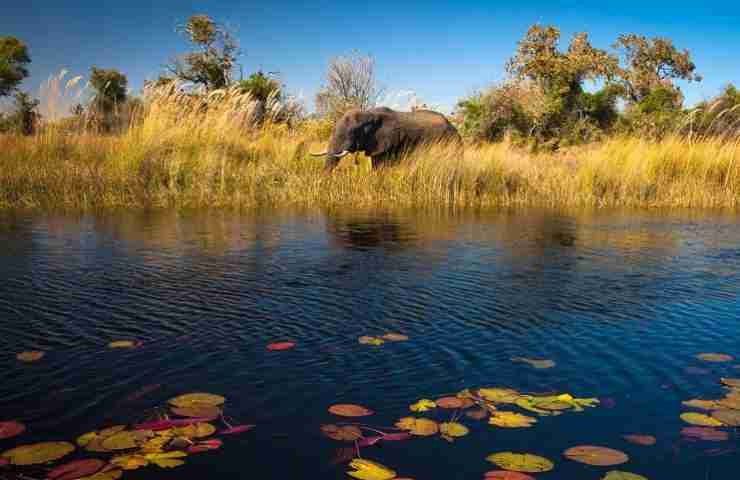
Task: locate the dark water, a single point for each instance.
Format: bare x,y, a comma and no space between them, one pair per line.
622,301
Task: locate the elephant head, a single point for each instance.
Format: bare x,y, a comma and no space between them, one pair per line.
373,131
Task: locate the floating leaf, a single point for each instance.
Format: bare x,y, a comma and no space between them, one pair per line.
349,410
396,437
168,463
704,433
367,340
511,420
197,400
539,364
76,469
32,356
645,440
499,395
38,453
129,462
453,429
700,419
125,440
599,456
200,411
715,357
731,402
4,462
11,428
477,414
521,462
452,402
105,475
367,470
702,404
423,405
278,346
731,418
166,459
236,429
506,475
617,475
125,344
205,446
395,337
731,382
418,426
348,433
198,430
155,445
161,425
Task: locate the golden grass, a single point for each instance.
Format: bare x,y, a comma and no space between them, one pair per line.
177,156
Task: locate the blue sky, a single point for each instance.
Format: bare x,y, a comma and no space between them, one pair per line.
439,50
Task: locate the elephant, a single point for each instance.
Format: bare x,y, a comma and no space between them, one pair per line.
385,134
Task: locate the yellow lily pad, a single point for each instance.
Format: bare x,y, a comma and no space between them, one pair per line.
499,395
32,356
700,419
731,382
453,429
395,337
702,404
418,426
617,475
126,439
423,405
715,357
368,470
197,430
521,462
511,420
38,453
166,459
129,462
122,344
731,418
197,400
368,340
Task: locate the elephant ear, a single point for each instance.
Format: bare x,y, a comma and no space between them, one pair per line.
385,135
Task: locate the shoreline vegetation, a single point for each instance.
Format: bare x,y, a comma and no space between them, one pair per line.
538,139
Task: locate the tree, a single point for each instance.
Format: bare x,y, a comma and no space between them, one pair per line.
13,61
350,83
651,64
110,89
211,65
261,87
25,115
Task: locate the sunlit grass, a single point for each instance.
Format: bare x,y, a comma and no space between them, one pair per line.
174,155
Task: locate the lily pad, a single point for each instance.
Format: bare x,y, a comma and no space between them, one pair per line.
702,404
31,356
617,475
423,427
198,411
368,470
105,475
125,440
499,395
347,433
197,430
452,402
521,462
731,382
536,363
125,344
599,456
644,440
197,400
453,429
278,346
506,475
10,429
511,420
205,446
715,357
423,405
731,418
76,469
129,462
368,340
350,410
700,419
477,414
706,434
395,337
38,453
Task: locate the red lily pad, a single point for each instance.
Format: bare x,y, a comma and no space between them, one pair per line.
236,429
76,469
4,462
506,475
349,410
205,446
645,440
10,429
705,433
277,346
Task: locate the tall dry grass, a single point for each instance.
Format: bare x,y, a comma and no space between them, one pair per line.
189,151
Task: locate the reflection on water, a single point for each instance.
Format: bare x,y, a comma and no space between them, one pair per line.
620,300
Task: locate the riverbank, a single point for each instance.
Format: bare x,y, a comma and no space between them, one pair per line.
158,164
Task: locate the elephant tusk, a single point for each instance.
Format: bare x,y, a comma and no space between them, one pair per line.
321,154
340,154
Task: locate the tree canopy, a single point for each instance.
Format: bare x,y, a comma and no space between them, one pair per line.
13,61
110,88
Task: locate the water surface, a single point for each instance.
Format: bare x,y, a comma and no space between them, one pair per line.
621,301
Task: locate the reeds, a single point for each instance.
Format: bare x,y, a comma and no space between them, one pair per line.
188,151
